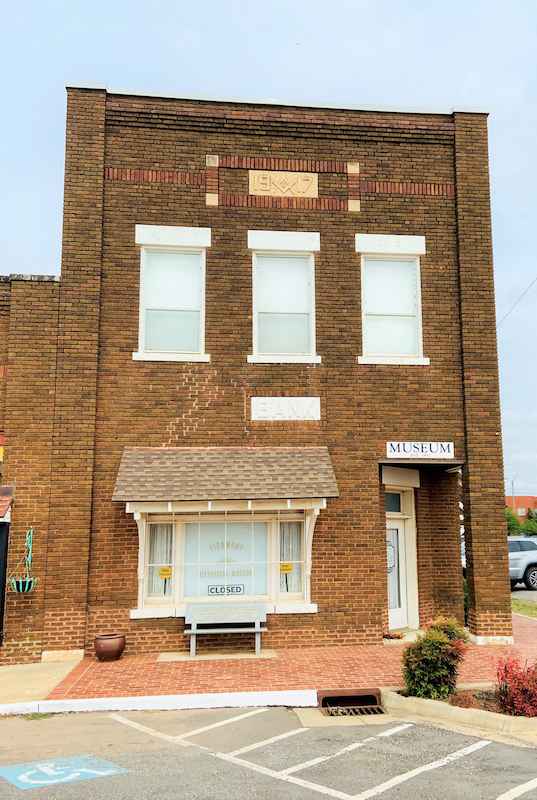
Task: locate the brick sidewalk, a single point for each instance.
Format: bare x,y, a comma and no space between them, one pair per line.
307,668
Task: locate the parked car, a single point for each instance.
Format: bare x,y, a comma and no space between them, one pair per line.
522,561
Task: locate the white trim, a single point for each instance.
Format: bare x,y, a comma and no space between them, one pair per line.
392,358
221,506
154,356
290,359
385,244
411,361
490,639
284,358
154,612
294,241
294,608
172,236
164,612
303,698
407,520
151,355
401,477
7,516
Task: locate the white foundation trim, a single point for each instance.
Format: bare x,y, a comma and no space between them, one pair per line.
294,608
156,612
304,698
490,639
163,612
385,244
172,236
62,655
298,241
153,356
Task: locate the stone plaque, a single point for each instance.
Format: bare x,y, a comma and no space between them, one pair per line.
282,409
283,184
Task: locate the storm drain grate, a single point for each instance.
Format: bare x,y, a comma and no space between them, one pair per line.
350,704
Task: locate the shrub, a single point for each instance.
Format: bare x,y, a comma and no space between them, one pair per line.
431,664
517,688
450,627
529,527
513,525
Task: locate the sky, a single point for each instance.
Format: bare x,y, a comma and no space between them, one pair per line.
428,54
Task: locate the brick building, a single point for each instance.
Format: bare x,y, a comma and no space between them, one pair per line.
521,505
268,364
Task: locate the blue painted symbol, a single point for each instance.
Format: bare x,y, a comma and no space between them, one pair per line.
36,774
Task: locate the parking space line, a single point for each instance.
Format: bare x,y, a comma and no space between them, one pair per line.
220,724
264,742
144,729
348,749
314,787
406,776
518,791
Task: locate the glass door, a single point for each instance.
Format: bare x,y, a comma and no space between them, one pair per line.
397,583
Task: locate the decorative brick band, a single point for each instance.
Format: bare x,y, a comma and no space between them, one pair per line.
304,203
155,176
284,164
407,188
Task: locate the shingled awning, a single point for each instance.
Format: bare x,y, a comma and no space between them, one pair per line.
152,474
6,498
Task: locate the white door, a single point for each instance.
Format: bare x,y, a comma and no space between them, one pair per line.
397,578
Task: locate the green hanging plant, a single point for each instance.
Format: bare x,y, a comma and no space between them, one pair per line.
25,583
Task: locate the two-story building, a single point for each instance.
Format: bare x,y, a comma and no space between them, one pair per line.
268,372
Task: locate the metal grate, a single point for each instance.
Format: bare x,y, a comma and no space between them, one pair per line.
350,704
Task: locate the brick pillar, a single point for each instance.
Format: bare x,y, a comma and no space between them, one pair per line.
29,410
78,338
445,495
486,536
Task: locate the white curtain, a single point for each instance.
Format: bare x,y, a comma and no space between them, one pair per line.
390,295
291,552
160,555
283,304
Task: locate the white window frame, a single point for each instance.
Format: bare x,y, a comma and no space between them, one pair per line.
174,605
168,239
382,247
284,244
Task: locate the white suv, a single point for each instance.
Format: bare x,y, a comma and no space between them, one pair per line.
523,561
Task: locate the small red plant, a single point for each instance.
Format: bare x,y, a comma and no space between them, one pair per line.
517,688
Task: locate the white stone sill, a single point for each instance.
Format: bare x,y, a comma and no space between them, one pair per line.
396,360
290,359
162,612
140,356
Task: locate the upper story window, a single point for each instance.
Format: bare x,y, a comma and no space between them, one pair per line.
172,293
391,299
283,286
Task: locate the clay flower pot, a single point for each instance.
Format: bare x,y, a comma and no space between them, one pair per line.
109,646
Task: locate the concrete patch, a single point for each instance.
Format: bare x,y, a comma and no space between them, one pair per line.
216,656
23,683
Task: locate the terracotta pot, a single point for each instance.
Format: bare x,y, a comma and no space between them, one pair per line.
109,646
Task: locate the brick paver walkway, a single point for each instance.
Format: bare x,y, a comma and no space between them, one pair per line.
307,668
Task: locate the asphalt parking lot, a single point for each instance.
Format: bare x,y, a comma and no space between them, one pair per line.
261,753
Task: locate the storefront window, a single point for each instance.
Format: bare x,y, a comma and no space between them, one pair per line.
291,557
160,561
225,559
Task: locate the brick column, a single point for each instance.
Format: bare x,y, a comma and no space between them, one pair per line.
486,536
78,339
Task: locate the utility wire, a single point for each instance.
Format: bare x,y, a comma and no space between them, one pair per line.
517,301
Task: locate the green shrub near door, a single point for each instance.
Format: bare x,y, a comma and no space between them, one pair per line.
431,664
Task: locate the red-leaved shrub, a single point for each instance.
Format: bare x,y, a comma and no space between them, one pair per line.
517,688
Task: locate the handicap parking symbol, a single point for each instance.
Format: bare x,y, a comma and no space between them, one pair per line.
37,774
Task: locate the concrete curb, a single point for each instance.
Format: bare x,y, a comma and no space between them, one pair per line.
303,698
438,711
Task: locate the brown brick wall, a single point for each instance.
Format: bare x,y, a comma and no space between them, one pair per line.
128,162
5,293
29,414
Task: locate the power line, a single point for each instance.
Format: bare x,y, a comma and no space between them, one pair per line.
517,301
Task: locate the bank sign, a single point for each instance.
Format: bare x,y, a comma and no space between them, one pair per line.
420,450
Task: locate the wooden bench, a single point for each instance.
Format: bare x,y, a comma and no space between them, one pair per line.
212,618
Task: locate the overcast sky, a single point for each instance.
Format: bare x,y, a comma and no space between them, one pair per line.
429,54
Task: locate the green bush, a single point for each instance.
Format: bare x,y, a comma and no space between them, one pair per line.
513,525
431,664
529,527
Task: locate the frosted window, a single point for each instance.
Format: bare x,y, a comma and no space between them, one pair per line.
172,296
160,557
291,557
283,302
226,560
391,313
